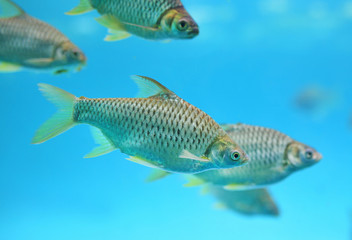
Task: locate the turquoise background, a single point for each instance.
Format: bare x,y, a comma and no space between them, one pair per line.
250,62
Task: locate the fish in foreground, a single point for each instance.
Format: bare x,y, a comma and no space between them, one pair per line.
158,129
274,156
248,202
29,42
149,19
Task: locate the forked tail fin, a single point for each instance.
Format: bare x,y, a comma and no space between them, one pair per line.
62,119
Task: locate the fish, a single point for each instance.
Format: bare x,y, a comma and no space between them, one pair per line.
149,19
32,43
157,129
316,101
248,202
274,156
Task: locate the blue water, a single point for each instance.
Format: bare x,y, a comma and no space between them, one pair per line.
249,63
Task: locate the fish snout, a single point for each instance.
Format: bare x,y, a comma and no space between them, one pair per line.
319,156
244,160
194,32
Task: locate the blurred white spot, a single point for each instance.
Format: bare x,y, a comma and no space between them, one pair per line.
274,6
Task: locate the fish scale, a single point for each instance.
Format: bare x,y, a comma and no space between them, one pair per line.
154,127
25,37
142,12
149,19
158,129
266,146
29,42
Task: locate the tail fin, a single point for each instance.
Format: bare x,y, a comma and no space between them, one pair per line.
62,119
83,7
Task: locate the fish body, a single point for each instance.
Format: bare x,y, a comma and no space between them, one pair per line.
161,131
247,202
29,42
274,156
149,19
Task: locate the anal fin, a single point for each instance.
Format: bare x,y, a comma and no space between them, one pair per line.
105,145
83,7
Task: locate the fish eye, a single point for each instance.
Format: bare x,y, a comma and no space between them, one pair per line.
75,54
235,156
308,154
182,25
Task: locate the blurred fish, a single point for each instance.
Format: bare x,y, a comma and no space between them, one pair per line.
316,101
159,129
248,202
274,156
29,42
149,19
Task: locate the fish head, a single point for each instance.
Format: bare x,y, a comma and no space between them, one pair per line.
179,24
68,54
301,156
227,154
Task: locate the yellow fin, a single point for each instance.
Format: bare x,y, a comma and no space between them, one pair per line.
234,186
9,67
83,7
40,62
149,87
142,161
116,35
62,120
205,190
105,145
188,155
220,206
157,174
9,9
111,22
193,181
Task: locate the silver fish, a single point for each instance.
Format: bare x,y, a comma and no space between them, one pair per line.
28,42
274,156
248,202
150,19
158,129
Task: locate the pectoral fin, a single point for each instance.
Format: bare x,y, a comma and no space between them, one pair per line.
9,67
186,154
142,161
105,145
40,62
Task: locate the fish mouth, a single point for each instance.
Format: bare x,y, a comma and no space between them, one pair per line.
319,157
83,59
193,33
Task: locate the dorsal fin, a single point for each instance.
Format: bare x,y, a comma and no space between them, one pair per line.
149,87
9,9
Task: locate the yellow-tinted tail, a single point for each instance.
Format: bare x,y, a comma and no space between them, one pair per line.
62,119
